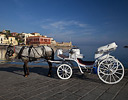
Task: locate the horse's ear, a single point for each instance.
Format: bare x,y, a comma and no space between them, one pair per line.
10,45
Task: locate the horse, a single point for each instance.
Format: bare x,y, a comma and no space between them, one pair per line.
29,54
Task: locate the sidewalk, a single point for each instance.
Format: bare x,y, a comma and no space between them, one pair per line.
13,86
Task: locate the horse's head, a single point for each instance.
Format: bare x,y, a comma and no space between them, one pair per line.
10,51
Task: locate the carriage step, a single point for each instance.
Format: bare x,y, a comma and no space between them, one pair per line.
56,61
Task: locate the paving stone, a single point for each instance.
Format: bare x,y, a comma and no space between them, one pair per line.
81,92
45,94
104,86
33,93
17,98
34,98
62,94
10,95
123,94
2,98
89,97
3,92
71,97
97,91
106,96
51,98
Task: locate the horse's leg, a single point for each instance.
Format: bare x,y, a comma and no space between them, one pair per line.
24,66
26,70
50,68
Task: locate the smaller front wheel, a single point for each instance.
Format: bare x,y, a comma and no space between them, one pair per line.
64,71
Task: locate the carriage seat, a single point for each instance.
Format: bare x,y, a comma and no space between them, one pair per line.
85,62
63,56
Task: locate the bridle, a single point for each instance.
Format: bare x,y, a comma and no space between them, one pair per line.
10,51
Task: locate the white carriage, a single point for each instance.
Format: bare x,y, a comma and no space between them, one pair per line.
109,69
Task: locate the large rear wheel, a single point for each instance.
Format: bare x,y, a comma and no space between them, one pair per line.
110,71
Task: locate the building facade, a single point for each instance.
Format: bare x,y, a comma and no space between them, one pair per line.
12,40
14,34
24,36
6,41
68,44
38,40
3,39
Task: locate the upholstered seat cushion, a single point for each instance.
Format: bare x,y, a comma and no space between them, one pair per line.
85,62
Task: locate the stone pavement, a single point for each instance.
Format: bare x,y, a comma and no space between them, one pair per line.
13,86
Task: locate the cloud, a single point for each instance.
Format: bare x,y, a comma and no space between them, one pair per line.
65,30
61,25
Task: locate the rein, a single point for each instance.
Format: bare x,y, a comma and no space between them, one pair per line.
14,49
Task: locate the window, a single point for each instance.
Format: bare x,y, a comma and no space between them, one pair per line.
45,40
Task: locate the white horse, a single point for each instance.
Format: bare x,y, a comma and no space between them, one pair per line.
28,54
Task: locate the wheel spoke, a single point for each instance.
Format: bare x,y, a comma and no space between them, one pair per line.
106,77
118,73
67,74
105,66
120,69
103,75
118,64
63,75
116,76
102,68
110,78
113,77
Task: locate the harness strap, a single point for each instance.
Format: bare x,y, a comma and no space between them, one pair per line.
29,51
44,52
21,51
14,49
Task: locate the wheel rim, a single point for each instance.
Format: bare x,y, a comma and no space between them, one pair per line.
110,71
64,71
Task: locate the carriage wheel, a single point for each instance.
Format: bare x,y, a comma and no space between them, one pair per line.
64,71
110,71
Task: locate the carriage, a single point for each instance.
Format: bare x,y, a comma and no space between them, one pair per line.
109,69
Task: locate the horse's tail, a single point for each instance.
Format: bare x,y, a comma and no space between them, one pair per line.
52,57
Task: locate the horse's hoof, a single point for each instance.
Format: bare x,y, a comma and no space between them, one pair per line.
49,75
25,75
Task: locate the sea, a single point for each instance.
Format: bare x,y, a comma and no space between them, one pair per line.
120,53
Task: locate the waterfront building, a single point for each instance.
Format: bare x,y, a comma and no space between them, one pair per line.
6,41
24,36
12,40
3,39
35,34
14,34
68,44
38,40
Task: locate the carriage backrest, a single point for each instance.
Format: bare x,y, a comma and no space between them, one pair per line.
102,52
61,55
75,53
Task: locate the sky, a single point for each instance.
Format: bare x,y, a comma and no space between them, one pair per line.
84,22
